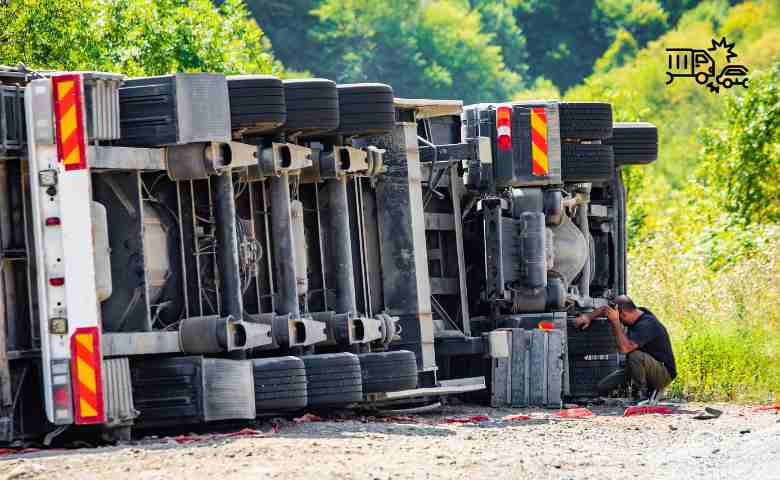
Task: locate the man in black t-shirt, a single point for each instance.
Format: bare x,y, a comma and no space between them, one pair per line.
650,360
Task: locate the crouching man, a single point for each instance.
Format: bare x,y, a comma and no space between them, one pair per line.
650,360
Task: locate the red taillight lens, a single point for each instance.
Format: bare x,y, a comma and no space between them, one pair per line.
57,281
53,221
504,128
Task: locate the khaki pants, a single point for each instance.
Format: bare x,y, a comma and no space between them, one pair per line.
648,373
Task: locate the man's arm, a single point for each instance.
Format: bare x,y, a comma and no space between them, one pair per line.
625,344
583,320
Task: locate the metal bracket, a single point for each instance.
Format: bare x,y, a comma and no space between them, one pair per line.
214,334
194,161
281,158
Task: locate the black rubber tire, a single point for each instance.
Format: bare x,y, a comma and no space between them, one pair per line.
388,371
585,120
257,103
312,106
365,109
280,384
634,143
333,379
587,162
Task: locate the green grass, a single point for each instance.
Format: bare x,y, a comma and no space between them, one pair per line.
724,324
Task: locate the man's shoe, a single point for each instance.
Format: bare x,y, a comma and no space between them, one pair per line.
611,382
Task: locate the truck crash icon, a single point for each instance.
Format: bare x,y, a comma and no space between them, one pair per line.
699,64
689,62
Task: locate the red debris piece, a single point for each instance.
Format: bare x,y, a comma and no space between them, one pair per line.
646,410
580,412
11,451
399,419
183,439
309,417
245,432
515,418
470,419
769,408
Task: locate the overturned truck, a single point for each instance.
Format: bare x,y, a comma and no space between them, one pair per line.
194,248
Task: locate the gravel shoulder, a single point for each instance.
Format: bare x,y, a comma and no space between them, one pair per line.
742,443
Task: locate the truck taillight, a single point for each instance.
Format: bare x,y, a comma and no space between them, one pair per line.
86,370
61,392
504,127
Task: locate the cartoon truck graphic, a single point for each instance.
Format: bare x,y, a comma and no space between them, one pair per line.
689,62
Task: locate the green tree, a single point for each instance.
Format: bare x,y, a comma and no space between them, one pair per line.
742,160
437,51
134,37
622,49
289,24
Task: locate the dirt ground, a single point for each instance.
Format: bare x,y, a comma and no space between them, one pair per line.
742,443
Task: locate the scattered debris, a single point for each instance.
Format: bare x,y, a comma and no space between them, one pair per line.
709,414
580,412
309,417
647,410
469,419
16,451
193,438
514,418
769,408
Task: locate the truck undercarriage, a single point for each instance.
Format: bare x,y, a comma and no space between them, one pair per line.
194,248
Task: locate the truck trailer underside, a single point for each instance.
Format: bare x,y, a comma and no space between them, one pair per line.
194,248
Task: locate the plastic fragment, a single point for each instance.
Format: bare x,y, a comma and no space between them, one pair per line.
515,418
469,419
580,412
309,417
646,410
769,408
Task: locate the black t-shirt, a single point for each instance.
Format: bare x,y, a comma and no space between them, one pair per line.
653,339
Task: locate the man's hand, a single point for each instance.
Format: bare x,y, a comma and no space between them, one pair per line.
613,316
583,321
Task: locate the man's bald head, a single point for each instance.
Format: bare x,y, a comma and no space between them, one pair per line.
625,303
627,310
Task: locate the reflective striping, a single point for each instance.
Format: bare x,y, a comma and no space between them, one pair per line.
86,374
539,149
69,122
85,341
86,364
64,87
87,410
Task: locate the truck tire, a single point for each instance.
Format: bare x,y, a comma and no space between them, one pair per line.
333,379
312,106
280,384
585,120
587,162
388,371
257,103
634,143
365,109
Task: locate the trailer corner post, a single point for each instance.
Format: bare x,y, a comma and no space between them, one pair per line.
406,284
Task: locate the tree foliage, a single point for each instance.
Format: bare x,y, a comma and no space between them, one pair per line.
134,37
438,51
743,158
